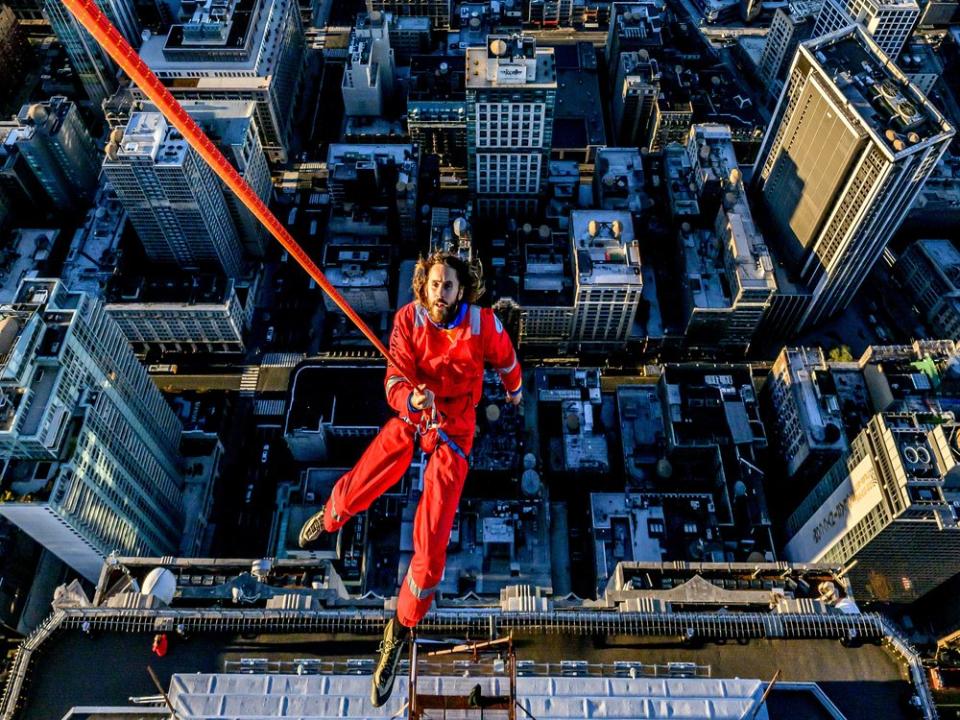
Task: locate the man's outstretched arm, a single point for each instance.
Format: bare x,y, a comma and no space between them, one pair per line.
402,396
498,350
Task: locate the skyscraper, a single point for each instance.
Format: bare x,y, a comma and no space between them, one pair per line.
15,54
54,142
848,149
91,447
607,280
234,53
95,68
888,22
511,93
635,92
368,75
888,507
791,25
174,200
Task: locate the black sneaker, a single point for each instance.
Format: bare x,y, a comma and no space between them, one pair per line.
391,648
312,529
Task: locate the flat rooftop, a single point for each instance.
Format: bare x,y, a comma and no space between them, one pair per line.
516,62
878,93
865,683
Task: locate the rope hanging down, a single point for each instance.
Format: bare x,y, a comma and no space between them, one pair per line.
96,23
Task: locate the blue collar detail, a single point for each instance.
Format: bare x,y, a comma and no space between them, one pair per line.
461,314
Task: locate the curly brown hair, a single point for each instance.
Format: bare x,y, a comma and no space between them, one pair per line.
469,275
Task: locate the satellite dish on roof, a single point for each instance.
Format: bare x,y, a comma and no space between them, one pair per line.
498,47
493,413
461,227
111,150
530,461
116,135
161,584
664,468
544,232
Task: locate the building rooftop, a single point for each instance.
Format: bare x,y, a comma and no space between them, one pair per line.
317,633
437,78
584,443
679,179
619,179
605,250
891,108
508,61
94,251
814,390
26,254
153,289
355,262
148,135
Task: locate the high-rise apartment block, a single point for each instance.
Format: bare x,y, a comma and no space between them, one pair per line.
438,11
791,25
511,92
606,273
888,22
930,270
887,510
635,92
174,200
53,141
368,76
94,67
90,447
250,51
848,149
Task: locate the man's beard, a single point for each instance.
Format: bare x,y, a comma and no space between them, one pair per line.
442,314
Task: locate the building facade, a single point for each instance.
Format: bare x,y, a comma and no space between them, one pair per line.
848,150
94,67
930,270
635,92
790,26
91,448
885,510
511,90
368,75
54,142
889,23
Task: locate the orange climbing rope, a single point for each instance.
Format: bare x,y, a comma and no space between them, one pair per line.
89,15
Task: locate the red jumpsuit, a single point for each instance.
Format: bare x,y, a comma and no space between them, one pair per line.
450,363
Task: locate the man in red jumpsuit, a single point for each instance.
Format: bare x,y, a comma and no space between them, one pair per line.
444,339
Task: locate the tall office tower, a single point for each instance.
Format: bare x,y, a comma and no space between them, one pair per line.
888,22
53,141
791,25
174,200
92,448
849,147
250,52
635,92
14,55
437,114
607,281
437,10
886,510
511,94
807,422
89,60
368,76
233,128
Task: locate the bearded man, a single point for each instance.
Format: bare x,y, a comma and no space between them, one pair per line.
444,339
